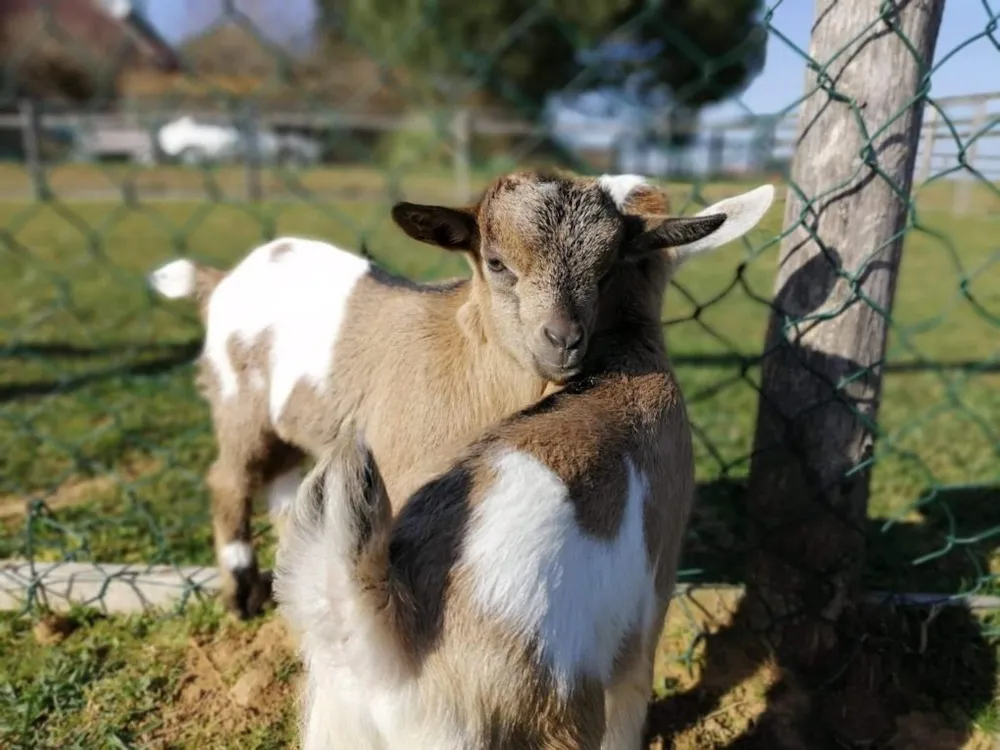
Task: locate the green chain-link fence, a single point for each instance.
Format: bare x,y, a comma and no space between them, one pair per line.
104,442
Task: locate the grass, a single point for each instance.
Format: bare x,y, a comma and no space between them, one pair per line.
99,417
201,680
205,680
103,444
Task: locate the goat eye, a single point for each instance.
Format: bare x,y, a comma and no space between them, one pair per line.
495,264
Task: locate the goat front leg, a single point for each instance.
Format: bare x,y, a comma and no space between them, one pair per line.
626,700
626,707
244,589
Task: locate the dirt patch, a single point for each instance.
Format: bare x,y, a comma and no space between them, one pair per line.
905,679
705,698
897,691
236,684
52,629
77,490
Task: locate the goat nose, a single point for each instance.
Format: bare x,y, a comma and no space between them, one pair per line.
564,335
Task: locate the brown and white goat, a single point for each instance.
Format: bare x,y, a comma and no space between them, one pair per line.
515,600
302,338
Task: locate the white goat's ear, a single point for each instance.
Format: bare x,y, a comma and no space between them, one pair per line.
743,212
450,228
710,228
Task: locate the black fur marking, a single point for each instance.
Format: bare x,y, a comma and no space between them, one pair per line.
387,278
676,232
317,496
553,401
367,505
450,228
426,545
252,590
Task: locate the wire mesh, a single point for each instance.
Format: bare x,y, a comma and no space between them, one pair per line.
103,440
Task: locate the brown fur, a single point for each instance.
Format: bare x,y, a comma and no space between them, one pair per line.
461,346
624,401
581,433
464,386
400,340
206,279
249,458
282,249
647,200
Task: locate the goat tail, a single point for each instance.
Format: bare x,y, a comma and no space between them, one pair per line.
332,579
183,278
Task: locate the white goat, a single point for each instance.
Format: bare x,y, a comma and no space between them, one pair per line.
516,599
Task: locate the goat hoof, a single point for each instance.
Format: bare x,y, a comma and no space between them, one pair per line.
251,592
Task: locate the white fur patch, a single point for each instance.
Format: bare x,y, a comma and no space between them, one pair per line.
237,556
300,297
534,569
175,280
620,186
282,490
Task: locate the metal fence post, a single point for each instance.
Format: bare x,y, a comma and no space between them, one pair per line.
31,135
929,135
965,185
251,131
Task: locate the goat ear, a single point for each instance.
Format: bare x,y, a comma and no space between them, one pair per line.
716,225
450,228
673,233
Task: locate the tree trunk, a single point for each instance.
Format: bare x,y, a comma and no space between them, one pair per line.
822,370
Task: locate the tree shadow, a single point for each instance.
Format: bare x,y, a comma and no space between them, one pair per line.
828,668
902,676
145,361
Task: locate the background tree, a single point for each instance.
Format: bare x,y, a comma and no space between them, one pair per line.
687,53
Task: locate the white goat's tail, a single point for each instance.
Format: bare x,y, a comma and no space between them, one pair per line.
332,579
181,279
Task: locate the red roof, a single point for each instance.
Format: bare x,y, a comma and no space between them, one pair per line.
111,42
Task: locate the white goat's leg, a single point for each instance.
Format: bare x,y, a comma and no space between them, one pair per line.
336,717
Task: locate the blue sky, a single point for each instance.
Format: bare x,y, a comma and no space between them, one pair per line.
973,70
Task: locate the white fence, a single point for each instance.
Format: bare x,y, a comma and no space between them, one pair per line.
960,139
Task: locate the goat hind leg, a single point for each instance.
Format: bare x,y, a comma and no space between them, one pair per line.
244,590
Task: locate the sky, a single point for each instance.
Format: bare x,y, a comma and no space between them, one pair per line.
967,72
967,68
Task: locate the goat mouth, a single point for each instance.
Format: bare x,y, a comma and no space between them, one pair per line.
557,374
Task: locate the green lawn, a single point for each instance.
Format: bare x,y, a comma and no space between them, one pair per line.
99,418
204,680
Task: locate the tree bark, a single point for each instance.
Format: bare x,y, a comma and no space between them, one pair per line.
822,369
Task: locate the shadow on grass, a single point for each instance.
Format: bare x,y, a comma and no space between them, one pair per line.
147,360
902,677
68,350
